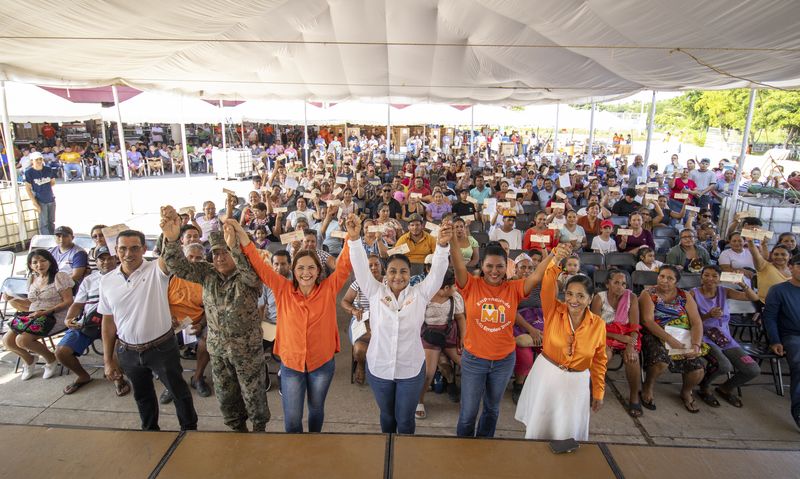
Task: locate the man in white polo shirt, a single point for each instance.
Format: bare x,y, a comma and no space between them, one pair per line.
137,321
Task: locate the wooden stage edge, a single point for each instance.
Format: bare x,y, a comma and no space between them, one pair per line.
174,454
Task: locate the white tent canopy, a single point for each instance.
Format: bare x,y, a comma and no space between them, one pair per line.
448,51
164,107
29,103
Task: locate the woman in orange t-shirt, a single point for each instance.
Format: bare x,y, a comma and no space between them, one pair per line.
490,303
555,402
307,335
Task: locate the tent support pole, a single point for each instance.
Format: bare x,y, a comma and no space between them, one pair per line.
222,124
591,131
8,142
650,124
305,133
742,153
388,129
471,129
555,134
122,148
105,147
187,166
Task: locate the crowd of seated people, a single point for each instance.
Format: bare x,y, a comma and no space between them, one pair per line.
618,222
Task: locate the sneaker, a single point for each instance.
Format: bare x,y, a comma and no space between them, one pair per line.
28,370
166,397
50,370
202,387
516,392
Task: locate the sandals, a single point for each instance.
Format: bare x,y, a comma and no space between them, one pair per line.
635,410
73,387
690,405
731,398
122,388
708,398
420,413
651,405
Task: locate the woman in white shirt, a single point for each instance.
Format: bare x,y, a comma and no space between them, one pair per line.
737,258
395,357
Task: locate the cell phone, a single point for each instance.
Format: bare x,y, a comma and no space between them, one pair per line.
564,446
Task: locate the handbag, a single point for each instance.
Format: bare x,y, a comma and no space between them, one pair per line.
23,322
438,337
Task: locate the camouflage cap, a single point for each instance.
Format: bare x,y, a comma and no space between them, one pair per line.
217,240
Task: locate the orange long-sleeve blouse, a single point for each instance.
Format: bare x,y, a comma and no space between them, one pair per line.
589,346
306,336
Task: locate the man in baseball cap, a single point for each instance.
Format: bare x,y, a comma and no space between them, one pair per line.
39,182
420,243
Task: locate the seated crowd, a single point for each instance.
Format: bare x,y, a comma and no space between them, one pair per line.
497,267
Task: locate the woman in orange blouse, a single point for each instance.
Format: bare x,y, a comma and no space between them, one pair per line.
307,336
555,402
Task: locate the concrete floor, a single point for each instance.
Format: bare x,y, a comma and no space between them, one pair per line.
763,423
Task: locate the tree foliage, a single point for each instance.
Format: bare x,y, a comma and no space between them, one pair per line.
727,110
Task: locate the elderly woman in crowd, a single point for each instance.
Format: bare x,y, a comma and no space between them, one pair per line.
665,306
725,355
556,401
393,228
49,298
619,308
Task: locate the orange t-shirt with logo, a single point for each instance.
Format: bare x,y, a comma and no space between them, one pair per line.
490,312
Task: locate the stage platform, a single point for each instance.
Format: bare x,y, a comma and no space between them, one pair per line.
71,452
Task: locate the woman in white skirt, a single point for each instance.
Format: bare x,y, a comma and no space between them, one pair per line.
555,402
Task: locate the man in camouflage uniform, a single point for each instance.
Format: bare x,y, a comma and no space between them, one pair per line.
230,294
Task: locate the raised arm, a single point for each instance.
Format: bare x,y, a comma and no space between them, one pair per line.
248,276
343,264
173,259
433,281
547,272
459,268
360,263
758,260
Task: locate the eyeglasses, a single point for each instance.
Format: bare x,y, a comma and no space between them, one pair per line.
97,236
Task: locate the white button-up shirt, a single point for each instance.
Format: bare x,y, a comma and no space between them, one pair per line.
138,303
395,348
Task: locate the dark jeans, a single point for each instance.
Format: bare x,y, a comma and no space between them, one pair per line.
732,360
482,379
294,385
791,346
164,361
47,218
397,399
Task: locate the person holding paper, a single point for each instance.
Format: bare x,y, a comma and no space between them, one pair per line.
438,208
507,231
664,307
557,401
737,259
468,245
413,207
395,357
769,273
636,237
488,358
725,356
539,231
356,303
573,233
307,336
680,184
420,243
302,211
392,228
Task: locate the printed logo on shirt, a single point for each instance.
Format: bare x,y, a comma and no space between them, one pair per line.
493,316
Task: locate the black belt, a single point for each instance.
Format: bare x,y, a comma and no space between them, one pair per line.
151,344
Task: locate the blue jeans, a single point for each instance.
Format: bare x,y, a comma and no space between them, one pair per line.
47,218
482,379
791,346
294,385
397,401
70,167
